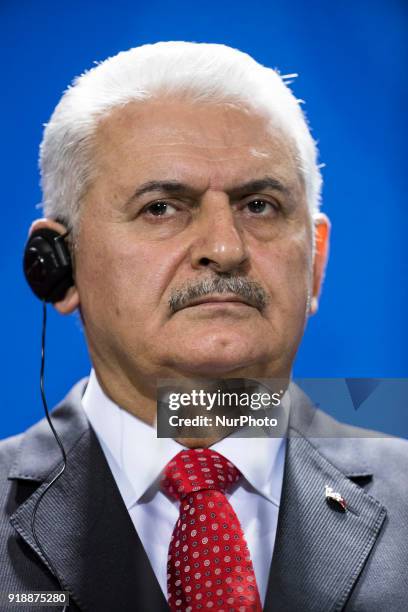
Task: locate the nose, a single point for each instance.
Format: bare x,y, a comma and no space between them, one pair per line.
218,243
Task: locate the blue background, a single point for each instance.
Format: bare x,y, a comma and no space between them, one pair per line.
352,61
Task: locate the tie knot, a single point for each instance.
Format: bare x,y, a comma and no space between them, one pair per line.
197,469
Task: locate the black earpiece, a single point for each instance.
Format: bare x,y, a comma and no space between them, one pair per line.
47,264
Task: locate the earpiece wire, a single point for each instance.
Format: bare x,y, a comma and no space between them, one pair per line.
44,401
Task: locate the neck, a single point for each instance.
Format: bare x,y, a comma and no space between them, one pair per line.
141,399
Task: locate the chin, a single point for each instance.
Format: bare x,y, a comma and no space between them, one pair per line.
215,369
217,364
216,353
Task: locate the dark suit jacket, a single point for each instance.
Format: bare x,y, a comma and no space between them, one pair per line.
324,559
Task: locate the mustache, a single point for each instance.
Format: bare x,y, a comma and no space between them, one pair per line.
251,291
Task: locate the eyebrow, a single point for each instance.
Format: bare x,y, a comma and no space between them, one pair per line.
178,188
256,185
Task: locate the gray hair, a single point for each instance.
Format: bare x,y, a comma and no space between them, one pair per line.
201,71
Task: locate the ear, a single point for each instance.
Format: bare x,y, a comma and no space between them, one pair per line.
71,300
321,253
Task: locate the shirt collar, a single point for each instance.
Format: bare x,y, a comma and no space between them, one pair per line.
259,460
137,457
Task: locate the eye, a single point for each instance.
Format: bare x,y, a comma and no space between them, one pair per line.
261,207
160,209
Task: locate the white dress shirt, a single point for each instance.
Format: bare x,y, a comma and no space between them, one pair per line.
137,457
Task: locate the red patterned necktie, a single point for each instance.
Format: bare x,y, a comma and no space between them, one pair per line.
209,564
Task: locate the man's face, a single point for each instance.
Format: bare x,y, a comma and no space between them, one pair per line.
184,193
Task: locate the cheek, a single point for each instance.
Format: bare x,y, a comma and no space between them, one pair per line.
299,269
285,268
123,278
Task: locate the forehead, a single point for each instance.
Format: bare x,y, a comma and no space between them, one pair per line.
218,142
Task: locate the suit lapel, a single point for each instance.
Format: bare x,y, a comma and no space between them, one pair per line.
320,550
82,522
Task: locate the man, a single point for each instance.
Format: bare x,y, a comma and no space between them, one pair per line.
188,180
